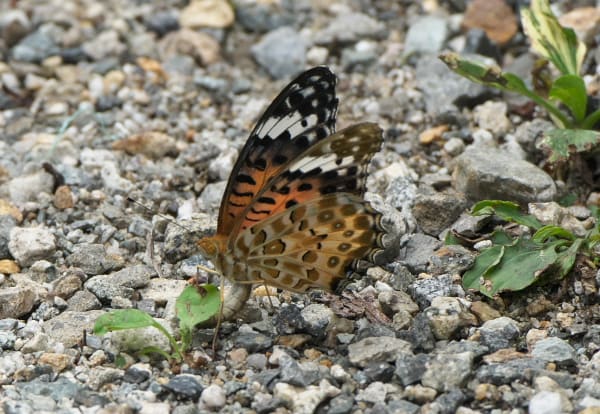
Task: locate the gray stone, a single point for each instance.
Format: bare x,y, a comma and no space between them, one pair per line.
350,28
487,173
6,224
317,318
393,302
452,258
530,133
121,283
426,34
417,251
470,226
505,373
261,16
425,290
93,259
252,341
380,348
294,374
448,371
16,301
447,315
28,244
451,94
7,340
342,404
68,327
282,52
29,187
554,349
305,400
185,385
213,397
83,301
104,45
362,54
59,390
410,368
499,333
36,46
436,212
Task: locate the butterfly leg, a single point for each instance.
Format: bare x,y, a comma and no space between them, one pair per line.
219,318
268,296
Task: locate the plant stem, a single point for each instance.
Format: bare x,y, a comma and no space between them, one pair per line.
591,120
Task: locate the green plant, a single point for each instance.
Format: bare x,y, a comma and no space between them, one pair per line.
514,263
565,98
196,304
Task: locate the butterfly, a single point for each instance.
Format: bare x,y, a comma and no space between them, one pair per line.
293,214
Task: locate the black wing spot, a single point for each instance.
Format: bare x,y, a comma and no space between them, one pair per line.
266,200
290,203
260,164
302,142
246,194
285,135
280,159
245,178
330,175
352,170
305,187
283,190
313,172
321,132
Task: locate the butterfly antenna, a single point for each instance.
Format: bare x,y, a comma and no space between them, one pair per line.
149,210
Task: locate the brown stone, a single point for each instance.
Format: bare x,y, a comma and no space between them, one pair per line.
152,144
495,17
8,267
63,198
6,208
58,362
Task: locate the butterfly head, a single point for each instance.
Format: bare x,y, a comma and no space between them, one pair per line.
209,247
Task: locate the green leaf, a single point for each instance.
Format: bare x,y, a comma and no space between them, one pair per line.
564,142
492,76
549,231
557,44
451,239
506,210
520,266
155,350
486,261
571,91
566,258
197,304
487,75
122,319
502,237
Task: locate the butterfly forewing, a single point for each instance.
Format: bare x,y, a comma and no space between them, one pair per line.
311,245
335,164
301,115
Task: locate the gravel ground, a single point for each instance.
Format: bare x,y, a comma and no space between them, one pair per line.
102,101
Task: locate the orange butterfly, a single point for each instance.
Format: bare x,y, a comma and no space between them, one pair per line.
293,214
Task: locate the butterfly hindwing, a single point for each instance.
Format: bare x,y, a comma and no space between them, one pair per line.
337,163
302,114
313,244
